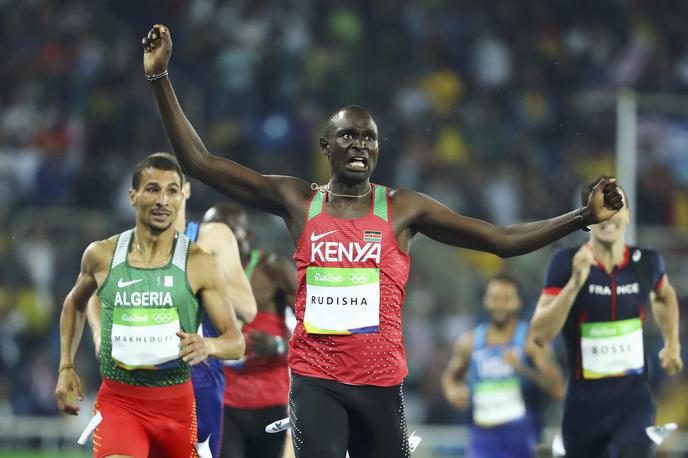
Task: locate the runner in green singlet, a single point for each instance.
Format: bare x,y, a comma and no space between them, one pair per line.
152,283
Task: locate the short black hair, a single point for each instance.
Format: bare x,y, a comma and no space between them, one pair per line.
506,277
588,187
329,127
160,161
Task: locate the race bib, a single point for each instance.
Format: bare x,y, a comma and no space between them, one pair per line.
612,349
497,402
145,338
342,300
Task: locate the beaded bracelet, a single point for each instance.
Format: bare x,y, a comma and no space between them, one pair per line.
156,76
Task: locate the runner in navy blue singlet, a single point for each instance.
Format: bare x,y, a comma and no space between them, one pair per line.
505,374
598,295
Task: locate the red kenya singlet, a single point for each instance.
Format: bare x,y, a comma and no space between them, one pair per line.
352,276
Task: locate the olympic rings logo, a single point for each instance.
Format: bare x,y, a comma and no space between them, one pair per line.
161,317
358,277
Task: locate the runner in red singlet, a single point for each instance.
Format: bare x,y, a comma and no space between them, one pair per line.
353,238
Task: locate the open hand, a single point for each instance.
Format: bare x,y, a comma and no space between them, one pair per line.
157,50
68,386
605,200
194,348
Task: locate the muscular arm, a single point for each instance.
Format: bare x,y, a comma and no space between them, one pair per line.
665,311
73,315
275,194
211,289
72,322
455,389
218,240
438,222
551,312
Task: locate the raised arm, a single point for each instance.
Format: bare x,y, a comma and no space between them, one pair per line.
438,222
273,194
72,322
665,311
453,385
205,278
218,240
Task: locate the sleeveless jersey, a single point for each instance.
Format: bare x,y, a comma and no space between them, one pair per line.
207,374
143,308
351,285
603,331
497,391
259,382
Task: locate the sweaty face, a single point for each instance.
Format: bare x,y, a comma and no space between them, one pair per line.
502,301
157,199
612,230
352,146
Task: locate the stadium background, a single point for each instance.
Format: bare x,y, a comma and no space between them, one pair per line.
498,109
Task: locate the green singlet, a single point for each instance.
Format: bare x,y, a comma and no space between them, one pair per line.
143,308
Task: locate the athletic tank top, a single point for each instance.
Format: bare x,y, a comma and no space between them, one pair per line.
143,308
351,283
497,391
259,382
207,374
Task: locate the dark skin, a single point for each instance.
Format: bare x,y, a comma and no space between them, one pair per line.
273,279
351,133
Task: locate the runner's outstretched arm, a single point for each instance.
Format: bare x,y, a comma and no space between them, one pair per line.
665,311
268,193
440,223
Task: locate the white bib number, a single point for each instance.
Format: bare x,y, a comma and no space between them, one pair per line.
612,349
497,402
144,338
342,300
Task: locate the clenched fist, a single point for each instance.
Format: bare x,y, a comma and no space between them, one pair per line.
157,50
604,202
582,261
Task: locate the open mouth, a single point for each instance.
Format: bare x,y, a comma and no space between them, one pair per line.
357,163
159,215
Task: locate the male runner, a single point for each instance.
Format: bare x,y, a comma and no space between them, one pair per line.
153,284
216,239
506,373
598,294
346,355
258,388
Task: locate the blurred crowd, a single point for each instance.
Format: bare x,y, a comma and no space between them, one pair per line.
494,108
